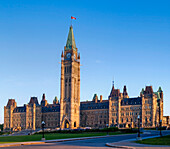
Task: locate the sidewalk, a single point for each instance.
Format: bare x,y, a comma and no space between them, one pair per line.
129,144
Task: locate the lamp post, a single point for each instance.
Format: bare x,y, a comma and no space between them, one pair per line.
43,124
160,124
107,125
138,138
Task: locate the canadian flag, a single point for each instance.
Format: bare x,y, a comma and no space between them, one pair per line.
73,18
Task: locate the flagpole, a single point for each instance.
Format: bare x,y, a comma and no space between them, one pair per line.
72,19
71,22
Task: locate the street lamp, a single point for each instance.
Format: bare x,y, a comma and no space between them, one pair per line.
107,125
43,124
138,138
160,124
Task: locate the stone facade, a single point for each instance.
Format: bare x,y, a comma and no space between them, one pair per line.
117,111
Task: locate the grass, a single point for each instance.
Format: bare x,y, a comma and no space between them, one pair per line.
51,136
165,140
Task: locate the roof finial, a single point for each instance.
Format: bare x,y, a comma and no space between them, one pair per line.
62,55
113,82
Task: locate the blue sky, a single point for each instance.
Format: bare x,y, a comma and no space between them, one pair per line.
127,40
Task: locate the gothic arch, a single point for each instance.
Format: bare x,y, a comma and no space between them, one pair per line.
65,122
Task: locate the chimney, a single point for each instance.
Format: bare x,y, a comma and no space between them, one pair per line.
96,99
101,98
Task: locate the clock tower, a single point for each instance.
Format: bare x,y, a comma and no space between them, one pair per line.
70,85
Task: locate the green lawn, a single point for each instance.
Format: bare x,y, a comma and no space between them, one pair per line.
165,140
50,136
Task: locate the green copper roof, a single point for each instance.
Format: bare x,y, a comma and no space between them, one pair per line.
160,89
55,99
95,95
70,40
142,92
158,94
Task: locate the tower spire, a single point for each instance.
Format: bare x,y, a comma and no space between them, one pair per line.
70,40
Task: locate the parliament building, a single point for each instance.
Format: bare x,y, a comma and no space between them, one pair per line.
118,110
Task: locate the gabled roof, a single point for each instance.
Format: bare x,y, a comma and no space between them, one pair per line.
70,40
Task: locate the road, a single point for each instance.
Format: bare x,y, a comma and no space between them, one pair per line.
97,143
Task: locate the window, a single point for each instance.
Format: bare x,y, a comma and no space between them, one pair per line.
150,119
64,69
74,124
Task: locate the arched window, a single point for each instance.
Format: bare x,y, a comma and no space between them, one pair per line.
74,124
127,120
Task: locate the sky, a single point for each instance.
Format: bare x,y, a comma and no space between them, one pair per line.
125,40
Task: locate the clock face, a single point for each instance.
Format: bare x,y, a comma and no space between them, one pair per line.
68,55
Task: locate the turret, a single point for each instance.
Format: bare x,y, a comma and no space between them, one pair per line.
43,101
95,98
125,94
160,92
55,101
142,92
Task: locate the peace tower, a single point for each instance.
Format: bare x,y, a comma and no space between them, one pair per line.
70,84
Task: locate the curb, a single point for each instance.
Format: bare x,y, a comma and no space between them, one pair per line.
117,146
22,143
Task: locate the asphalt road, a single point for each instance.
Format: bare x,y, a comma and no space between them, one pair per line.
98,143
